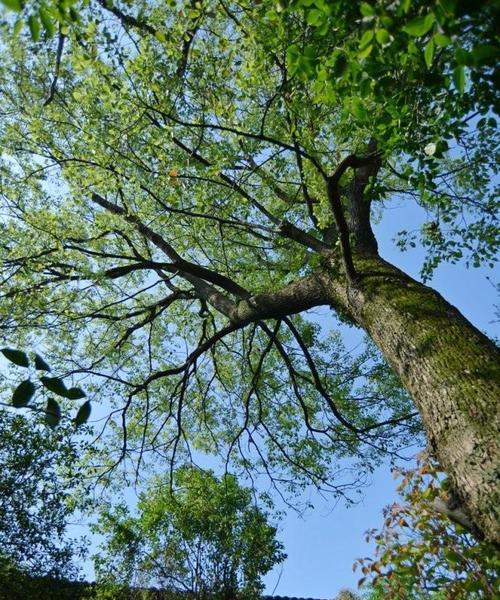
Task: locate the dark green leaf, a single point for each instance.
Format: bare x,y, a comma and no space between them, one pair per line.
485,53
56,385
340,66
16,356
419,26
74,393
459,78
23,393
83,414
448,6
52,413
40,364
34,26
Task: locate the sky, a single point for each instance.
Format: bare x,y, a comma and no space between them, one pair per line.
323,545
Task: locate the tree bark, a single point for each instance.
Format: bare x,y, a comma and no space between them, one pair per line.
448,366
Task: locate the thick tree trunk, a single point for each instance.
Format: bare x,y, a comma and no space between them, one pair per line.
449,367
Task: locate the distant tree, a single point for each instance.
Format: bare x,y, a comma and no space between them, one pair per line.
37,470
205,537
423,550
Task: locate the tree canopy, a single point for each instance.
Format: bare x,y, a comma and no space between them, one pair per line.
37,476
205,537
421,553
181,183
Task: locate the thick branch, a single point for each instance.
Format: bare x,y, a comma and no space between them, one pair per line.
127,19
360,205
184,267
333,190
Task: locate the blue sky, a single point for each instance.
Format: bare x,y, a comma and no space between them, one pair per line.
323,544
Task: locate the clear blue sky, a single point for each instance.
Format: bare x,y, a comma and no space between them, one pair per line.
323,545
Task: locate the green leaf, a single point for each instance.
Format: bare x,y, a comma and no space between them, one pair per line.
13,5
382,36
463,57
484,53
75,394
441,40
56,385
365,52
160,36
459,78
47,22
23,393
40,364
52,413
366,38
16,356
366,9
293,55
83,414
315,17
34,27
448,6
420,25
358,109
429,53
18,25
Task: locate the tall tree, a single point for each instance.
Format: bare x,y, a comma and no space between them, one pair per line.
181,186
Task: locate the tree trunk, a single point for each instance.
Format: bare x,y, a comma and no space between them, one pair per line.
449,367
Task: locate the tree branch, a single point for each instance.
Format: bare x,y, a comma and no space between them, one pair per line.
333,190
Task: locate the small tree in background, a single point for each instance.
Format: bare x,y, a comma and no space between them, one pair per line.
205,537
421,553
36,481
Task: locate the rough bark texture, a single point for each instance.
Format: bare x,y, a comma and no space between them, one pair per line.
449,367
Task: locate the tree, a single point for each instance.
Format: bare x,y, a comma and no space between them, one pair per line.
182,186
420,553
205,537
35,499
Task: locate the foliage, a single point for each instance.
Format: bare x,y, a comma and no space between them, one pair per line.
23,394
114,323
163,187
205,537
18,584
413,74
421,553
37,477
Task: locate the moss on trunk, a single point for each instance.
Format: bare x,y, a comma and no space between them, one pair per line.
451,370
